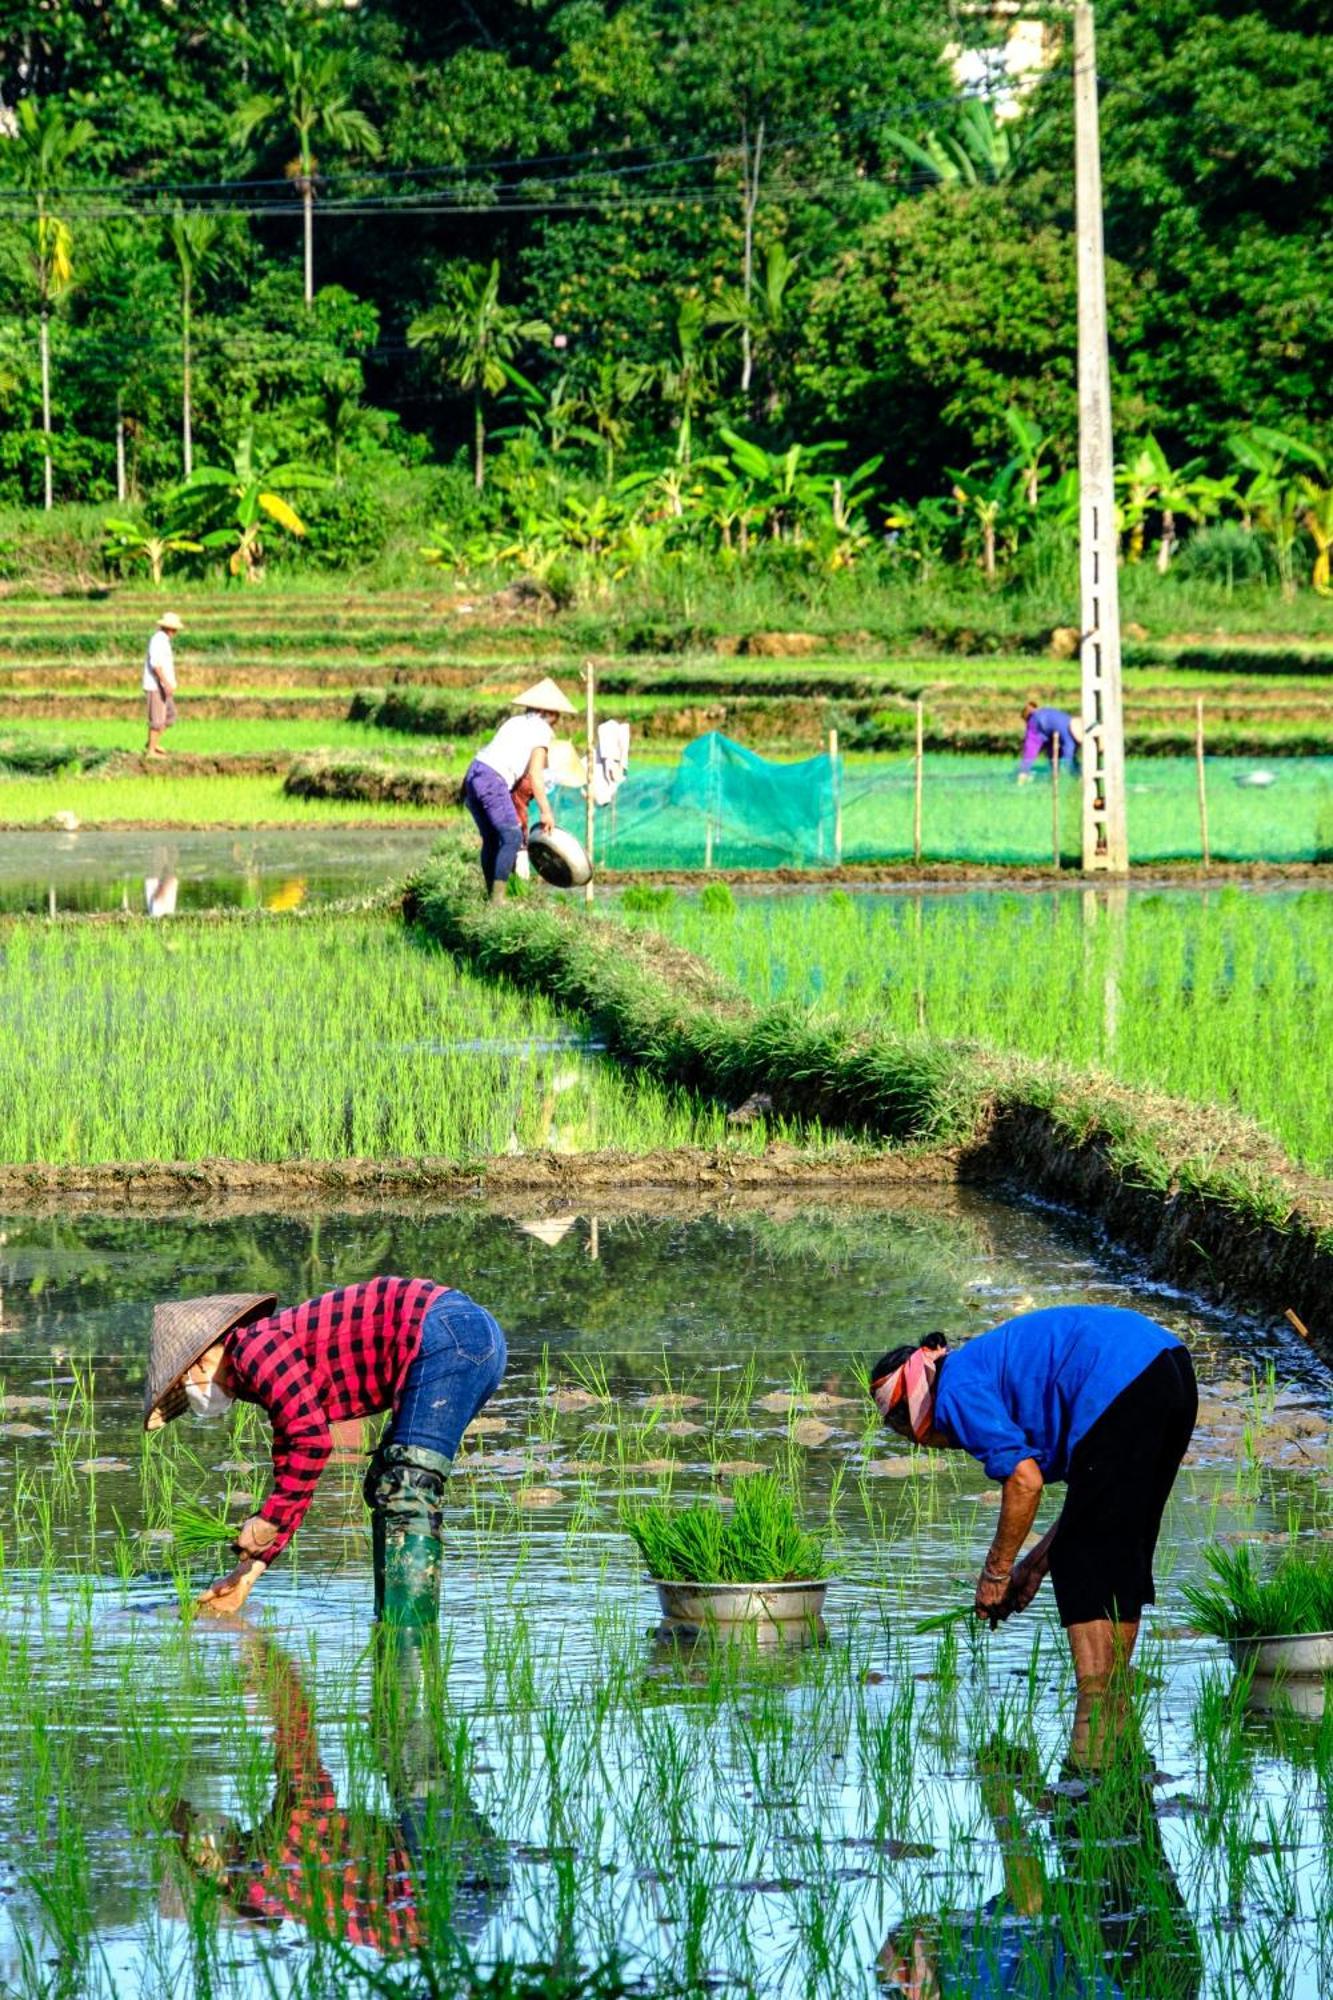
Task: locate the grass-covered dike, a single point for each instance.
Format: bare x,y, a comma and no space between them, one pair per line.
1202,1197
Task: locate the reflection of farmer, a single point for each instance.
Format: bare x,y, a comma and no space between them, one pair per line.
159,682
159,894
1111,1923
352,1876
1049,732
1098,1397
429,1354
517,752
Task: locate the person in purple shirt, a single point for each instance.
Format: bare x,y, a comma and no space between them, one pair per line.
1050,731
1096,1397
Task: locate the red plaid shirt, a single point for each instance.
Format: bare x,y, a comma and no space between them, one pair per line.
344,1354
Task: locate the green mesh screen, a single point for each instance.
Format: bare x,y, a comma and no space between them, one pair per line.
723,806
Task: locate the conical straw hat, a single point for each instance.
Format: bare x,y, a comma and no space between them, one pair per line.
545,694
183,1329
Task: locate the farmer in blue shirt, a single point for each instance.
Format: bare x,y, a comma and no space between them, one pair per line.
1050,731
1098,1397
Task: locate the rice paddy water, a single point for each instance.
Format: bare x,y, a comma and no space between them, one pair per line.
632,1815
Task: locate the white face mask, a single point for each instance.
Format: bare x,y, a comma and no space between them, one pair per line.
207,1401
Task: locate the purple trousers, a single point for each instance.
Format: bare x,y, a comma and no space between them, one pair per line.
486,796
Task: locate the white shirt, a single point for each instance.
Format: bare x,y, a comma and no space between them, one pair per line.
510,749
160,656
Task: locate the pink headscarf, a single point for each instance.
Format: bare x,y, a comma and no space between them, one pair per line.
914,1384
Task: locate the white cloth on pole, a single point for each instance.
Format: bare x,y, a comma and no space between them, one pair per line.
610,761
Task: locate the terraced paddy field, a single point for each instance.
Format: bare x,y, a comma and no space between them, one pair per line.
557,1785
1218,995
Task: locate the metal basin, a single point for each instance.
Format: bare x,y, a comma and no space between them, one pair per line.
1306,1696
784,1611
1285,1653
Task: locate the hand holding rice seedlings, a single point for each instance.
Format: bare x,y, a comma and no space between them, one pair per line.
761,1540
1240,1604
198,1531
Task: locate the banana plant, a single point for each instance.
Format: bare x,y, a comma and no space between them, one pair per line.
985,496
132,541
1032,445
249,495
1274,496
1317,519
1147,482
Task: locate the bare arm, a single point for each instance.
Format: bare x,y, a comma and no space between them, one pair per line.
1019,1499
537,779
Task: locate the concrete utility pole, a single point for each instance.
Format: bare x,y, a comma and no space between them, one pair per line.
1105,839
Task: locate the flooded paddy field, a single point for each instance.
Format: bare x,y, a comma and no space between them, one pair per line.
1216,994
46,873
278,1806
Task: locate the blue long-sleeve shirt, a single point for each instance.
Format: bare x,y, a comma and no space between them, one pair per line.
1053,726
1033,1386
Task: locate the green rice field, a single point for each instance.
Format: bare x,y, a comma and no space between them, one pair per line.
1222,996
161,798
315,1038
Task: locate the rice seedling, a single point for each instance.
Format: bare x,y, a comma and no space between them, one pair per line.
198,1531
761,1539
1239,1603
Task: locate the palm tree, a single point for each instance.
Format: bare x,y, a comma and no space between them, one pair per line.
683,378
247,493
193,236
605,399
45,142
474,338
308,99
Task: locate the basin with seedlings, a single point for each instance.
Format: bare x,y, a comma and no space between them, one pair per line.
1280,1624
751,1568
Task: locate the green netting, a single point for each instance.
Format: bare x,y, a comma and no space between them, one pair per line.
722,806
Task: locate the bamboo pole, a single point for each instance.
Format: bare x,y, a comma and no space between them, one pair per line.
589,807
1203,785
918,776
1055,802
837,797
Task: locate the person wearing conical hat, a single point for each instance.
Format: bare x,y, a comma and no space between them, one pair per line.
515,756
427,1352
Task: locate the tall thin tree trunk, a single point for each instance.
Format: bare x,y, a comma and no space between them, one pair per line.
750,159
1168,541
308,205
187,441
988,545
478,441
121,482
47,480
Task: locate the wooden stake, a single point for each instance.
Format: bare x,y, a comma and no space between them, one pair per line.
920,773
1295,1320
1203,787
1055,802
837,797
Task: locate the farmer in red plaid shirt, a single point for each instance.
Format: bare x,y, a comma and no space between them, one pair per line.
429,1354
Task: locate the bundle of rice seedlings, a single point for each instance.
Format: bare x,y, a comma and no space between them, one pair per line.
761,1539
1240,1604
198,1531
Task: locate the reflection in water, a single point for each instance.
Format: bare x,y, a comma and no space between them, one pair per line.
159,894
384,1882
1101,1918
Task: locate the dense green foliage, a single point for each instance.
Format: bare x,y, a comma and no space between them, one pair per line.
758,270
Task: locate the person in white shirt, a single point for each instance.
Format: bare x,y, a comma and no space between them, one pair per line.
517,752
159,681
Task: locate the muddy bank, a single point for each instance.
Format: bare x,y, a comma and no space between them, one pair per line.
631,1180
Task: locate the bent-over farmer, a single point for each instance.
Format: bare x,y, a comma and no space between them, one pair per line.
427,1352
516,753
1052,732
1095,1396
159,681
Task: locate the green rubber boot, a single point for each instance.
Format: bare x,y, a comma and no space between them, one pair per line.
405,1489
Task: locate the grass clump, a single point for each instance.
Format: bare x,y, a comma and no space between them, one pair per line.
319,777
761,1540
1238,1603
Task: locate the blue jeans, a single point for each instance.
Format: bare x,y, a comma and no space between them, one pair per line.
458,1368
488,799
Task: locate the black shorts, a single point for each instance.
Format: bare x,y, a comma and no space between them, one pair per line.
1120,1473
